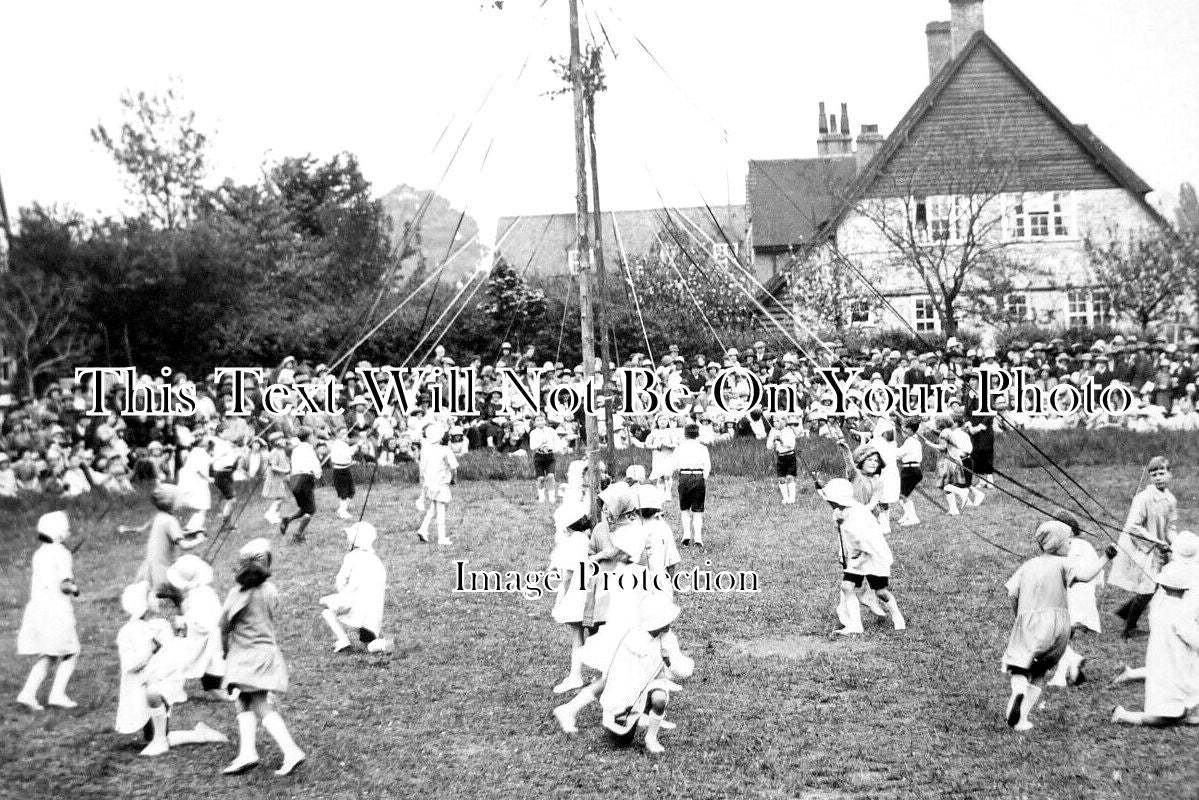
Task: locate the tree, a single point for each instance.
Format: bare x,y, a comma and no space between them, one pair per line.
37,320
510,300
828,293
940,212
1187,213
1146,274
161,152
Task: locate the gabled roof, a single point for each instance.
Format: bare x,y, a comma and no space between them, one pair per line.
788,199
1103,157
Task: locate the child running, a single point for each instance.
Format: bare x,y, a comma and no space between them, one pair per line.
545,443
781,440
48,625
437,469
865,558
694,465
274,480
572,533
1148,532
910,457
253,662
1080,598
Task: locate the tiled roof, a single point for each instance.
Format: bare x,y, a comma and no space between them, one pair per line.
789,198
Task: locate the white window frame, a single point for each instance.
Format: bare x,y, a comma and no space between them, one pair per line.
925,318
8,366
1088,308
572,261
941,213
720,252
856,316
1016,305
1041,217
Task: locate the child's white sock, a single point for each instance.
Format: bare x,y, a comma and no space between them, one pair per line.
247,747
654,721
575,679
896,617
976,496
1031,696
343,509
58,689
868,598
292,754
569,711
783,492
158,744
952,500
37,674
697,526
685,516
852,618
342,641
791,492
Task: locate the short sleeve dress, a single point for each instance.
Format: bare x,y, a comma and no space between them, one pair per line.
253,660
1042,628
48,625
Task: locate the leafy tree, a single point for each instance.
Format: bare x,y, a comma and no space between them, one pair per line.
161,152
509,298
826,292
1187,213
1145,274
38,323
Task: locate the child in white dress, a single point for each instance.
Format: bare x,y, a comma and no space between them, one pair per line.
1080,598
149,678
437,468
1171,669
48,625
572,534
640,666
663,440
361,586
199,650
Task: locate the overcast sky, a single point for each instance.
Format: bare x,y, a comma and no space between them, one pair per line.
382,80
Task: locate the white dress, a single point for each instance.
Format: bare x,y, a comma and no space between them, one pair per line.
1172,655
569,559
662,441
48,625
193,486
361,587
1081,596
888,451
141,668
200,652
863,546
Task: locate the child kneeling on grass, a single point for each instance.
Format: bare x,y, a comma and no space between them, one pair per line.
640,666
149,679
361,584
1171,670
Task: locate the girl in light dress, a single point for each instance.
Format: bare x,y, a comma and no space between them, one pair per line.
613,547
662,441
277,467
361,588
1080,599
48,625
1171,671
194,494
572,537
150,680
437,469
253,662
200,652
661,552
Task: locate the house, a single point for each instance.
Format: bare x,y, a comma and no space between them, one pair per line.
983,165
544,245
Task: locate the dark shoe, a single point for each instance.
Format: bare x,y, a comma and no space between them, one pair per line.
699,544
686,543
1013,712
283,527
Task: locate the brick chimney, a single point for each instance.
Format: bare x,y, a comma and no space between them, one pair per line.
834,141
940,46
966,20
870,141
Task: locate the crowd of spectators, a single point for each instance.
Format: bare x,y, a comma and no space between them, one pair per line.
50,444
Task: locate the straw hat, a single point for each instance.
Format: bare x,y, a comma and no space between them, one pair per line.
839,492
54,525
649,496
657,612
362,535
135,599
189,572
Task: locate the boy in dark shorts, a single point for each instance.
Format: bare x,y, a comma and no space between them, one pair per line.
694,464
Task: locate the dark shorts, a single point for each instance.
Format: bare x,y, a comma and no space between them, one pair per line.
984,461
786,466
224,483
875,582
303,489
343,483
909,479
967,472
366,636
693,491
543,464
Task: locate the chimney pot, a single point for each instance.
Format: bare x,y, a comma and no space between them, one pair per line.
966,20
940,46
845,119
832,123
823,120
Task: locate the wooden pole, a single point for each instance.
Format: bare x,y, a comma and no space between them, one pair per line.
591,429
601,316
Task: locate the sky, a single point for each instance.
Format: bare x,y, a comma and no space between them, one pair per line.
695,88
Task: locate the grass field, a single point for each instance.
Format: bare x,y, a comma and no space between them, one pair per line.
776,709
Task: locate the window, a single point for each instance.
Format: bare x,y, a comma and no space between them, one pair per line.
859,313
720,253
1040,216
1087,308
572,262
926,316
1017,307
7,366
937,219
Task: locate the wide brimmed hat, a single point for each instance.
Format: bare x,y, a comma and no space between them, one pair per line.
649,496
839,492
657,612
635,472
189,572
362,535
567,514
54,525
135,599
